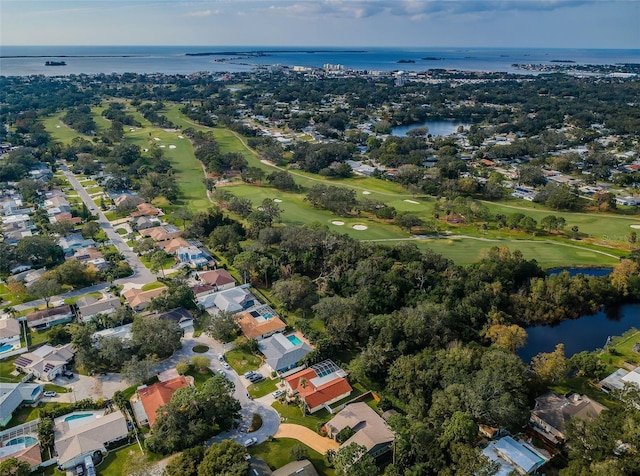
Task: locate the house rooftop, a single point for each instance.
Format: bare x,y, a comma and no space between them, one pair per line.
253,328
556,410
218,277
159,394
296,468
371,429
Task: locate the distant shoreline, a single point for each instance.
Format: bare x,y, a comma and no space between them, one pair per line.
72,56
268,52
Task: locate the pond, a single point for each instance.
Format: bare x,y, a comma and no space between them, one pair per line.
436,128
586,333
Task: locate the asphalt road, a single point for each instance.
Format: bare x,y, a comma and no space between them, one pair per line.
141,275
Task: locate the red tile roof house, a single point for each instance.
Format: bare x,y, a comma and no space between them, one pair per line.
147,400
220,278
320,385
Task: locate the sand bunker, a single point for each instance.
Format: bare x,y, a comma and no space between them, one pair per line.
359,227
162,146
57,127
366,192
277,200
156,138
412,201
637,227
172,146
337,222
180,137
146,150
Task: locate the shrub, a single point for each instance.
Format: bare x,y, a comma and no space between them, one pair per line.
256,422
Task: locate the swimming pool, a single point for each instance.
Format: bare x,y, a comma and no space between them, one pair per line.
78,416
5,348
22,440
295,340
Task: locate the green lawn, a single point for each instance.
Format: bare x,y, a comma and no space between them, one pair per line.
115,462
622,347
583,386
548,254
293,414
152,285
6,367
26,414
241,361
200,378
260,389
277,453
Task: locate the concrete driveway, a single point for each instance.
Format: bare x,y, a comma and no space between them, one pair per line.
321,444
82,386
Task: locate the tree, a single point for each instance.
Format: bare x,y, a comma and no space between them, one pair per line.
183,214
510,337
45,288
460,428
297,292
156,336
186,463
240,205
625,278
282,180
588,364
353,460
14,467
223,326
298,453
200,363
40,249
553,366
46,433
224,459
157,261
408,221
90,230
137,371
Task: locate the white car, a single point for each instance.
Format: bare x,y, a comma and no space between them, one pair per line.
278,393
50,393
250,442
225,365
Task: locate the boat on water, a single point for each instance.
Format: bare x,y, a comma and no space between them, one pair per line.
55,63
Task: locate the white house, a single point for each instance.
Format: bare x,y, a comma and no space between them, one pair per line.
46,362
13,395
10,331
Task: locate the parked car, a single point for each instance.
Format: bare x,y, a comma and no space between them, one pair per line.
221,372
256,378
221,357
248,374
50,393
67,373
250,442
278,393
225,365
79,470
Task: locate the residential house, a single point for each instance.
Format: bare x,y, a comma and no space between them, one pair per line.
10,332
46,362
320,385
172,246
232,300
146,209
618,379
29,276
258,323
28,453
91,256
193,256
89,306
139,300
200,290
296,468
144,222
72,243
513,455
180,316
220,278
77,439
147,399
552,412
127,201
121,332
14,395
283,354
371,431
50,317
161,233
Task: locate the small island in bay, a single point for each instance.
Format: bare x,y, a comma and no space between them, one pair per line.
562,61
403,61
55,63
432,58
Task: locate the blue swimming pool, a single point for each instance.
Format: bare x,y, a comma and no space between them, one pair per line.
77,417
295,340
267,315
5,348
26,440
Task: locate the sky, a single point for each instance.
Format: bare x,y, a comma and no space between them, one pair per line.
391,23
